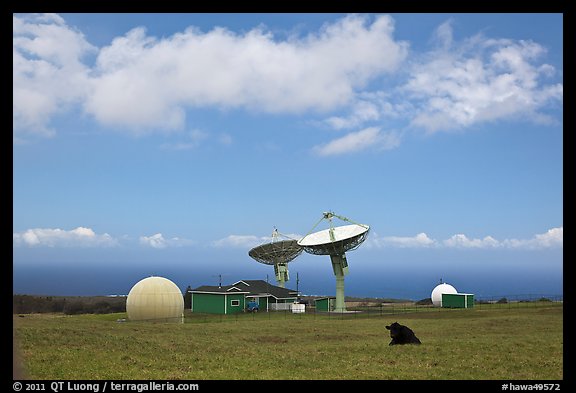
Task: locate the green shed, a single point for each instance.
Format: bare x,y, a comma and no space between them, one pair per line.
457,300
230,299
325,304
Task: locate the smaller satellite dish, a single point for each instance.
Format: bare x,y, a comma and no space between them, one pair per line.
281,251
277,253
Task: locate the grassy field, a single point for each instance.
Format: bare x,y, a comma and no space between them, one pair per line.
478,344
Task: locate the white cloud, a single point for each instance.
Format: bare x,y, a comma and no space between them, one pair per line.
47,70
48,237
462,241
480,80
360,140
458,84
159,241
241,241
146,84
420,240
154,241
444,34
362,111
142,82
553,238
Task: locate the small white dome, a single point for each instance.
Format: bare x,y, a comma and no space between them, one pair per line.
438,291
155,298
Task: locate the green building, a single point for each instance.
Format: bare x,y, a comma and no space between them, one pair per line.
230,299
457,300
325,303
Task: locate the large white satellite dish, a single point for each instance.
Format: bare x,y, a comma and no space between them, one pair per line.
335,241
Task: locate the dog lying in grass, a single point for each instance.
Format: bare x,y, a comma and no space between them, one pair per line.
402,334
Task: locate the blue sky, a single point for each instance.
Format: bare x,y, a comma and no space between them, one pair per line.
171,144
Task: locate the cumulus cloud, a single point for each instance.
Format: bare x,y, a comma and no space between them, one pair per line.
479,80
48,73
420,240
553,238
371,137
252,70
159,241
240,241
143,82
454,86
362,111
48,237
462,241
443,35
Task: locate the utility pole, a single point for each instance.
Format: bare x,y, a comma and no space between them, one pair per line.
297,283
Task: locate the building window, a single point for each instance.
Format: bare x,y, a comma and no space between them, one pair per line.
234,302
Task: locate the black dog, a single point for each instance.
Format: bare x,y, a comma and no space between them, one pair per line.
402,334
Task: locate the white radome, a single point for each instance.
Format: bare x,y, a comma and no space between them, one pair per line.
155,298
438,291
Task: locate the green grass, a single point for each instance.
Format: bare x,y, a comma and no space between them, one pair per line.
482,344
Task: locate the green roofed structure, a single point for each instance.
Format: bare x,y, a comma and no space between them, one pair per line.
230,299
325,304
457,300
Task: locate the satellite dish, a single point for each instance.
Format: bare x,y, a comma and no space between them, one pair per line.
335,241
277,253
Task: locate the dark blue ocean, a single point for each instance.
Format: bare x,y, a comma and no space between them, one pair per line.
407,280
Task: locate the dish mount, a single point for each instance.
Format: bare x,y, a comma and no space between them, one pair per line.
335,241
277,253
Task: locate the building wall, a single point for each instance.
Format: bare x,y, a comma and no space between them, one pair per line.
213,303
322,304
457,300
230,303
235,303
263,303
208,303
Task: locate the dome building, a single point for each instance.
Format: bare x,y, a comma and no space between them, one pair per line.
155,298
438,291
